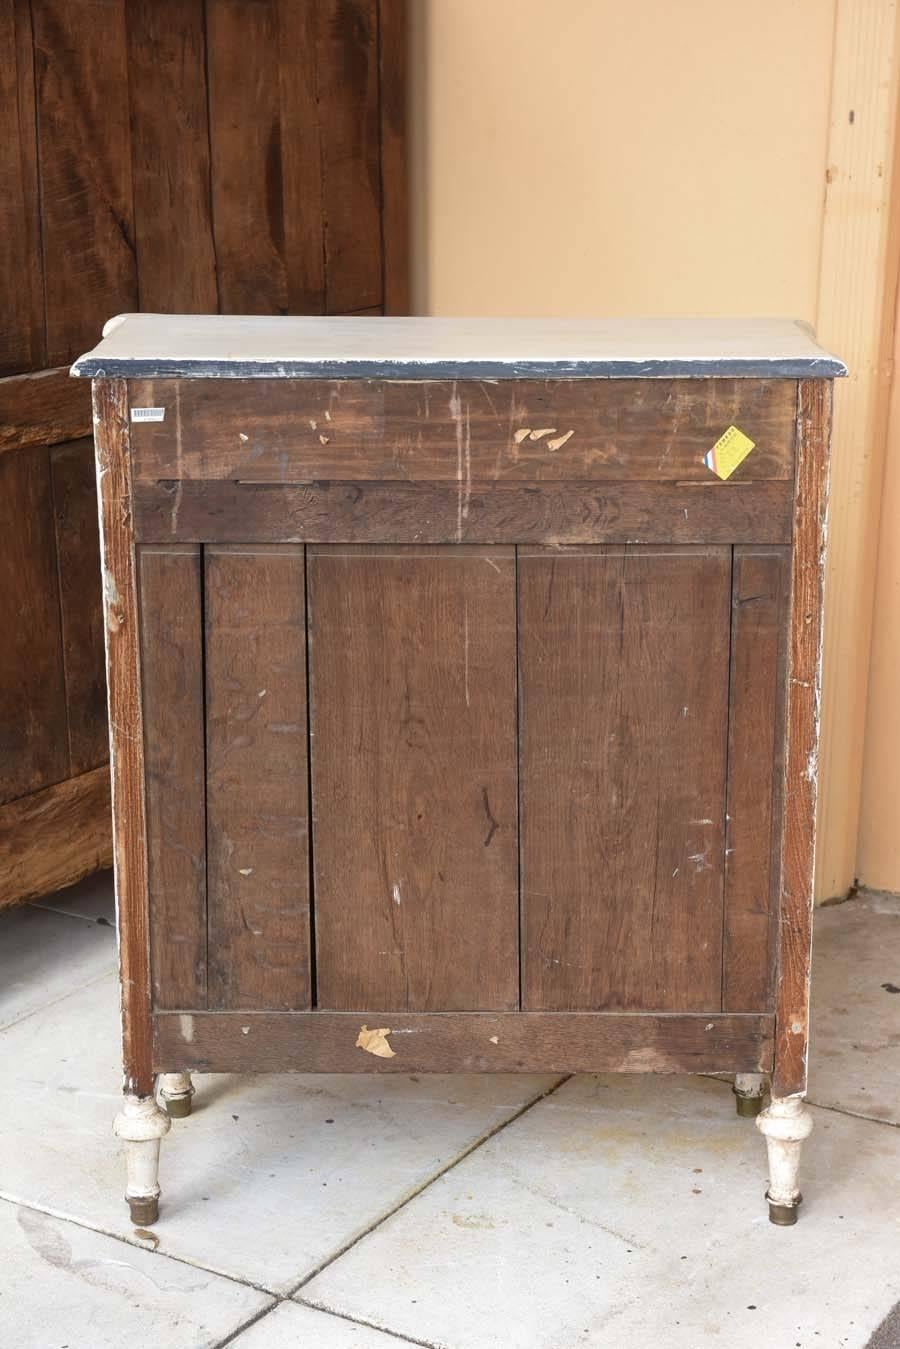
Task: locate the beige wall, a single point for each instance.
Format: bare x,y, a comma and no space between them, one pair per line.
585,156
710,157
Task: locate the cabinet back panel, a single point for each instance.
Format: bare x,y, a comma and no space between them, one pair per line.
413,721
624,696
257,778
170,581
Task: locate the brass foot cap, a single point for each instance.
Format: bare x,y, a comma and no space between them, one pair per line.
178,1108
748,1106
144,1211
783,1215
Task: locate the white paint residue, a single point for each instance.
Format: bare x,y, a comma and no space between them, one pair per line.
242,437
521,434
395,892
463,461
558,441
245,871
186,1026
494,1039
245,1030
313,424
541,432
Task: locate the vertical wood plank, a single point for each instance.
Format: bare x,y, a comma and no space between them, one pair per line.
301,157
412,701
22,311
33,745
127,729
85,170
859,266
245,133
623,667
170,584
257,834
802,739
81,610
351,152
392,38
755,772
170,157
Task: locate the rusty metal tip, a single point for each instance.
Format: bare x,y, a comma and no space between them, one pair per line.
783,1215
748,1106
178,1108
144,1211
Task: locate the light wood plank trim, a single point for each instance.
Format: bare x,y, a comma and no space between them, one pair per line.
123,670
545,513
45,408
52,838
463,1042
801,771
858,270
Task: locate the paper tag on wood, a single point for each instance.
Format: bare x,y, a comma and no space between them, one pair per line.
730,450
147,414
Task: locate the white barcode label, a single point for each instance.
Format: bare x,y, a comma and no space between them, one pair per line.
147,414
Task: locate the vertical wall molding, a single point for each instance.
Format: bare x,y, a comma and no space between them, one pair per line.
858,280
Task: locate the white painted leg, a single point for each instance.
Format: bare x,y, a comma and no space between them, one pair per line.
749,1090
175,1091
142,1125
785,1124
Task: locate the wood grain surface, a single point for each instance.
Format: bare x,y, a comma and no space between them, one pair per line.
755,771
80,603
43,409
461,1042
623,708
257,789
413,673
802,740
427,512
120,607
33,732
51,838
600,430
170,582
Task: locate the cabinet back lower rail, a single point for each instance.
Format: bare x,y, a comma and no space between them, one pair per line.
463,1042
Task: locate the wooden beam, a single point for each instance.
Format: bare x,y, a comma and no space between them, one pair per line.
463,1042
858,280
52,838
44,408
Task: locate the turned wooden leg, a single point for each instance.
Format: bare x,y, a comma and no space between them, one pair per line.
142,1125
785,1124
175,1092
749,1090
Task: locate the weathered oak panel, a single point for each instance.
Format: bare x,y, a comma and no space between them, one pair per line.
275,430
170,583
256,754
460,1042
427,512
413,673
623,707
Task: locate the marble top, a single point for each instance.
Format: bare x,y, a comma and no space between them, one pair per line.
254,346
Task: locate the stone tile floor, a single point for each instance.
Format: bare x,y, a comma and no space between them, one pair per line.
454,1212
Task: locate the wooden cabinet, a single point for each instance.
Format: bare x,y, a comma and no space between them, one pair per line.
464,690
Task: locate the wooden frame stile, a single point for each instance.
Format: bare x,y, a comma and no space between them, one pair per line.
140,1124
787,1121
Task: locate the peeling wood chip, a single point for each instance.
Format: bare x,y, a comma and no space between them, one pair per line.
494,1039
375,1042
323,440
245,1030
559,441
242,437
542,431
520,435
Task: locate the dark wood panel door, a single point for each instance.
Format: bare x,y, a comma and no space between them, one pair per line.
624,673
413,722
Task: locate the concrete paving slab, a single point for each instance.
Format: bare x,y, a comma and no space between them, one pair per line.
290,1326
855,1037
65,1287
627,1212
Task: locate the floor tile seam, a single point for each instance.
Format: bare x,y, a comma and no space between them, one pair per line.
369,1325
430,1180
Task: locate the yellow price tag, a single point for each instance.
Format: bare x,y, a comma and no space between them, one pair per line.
730,449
